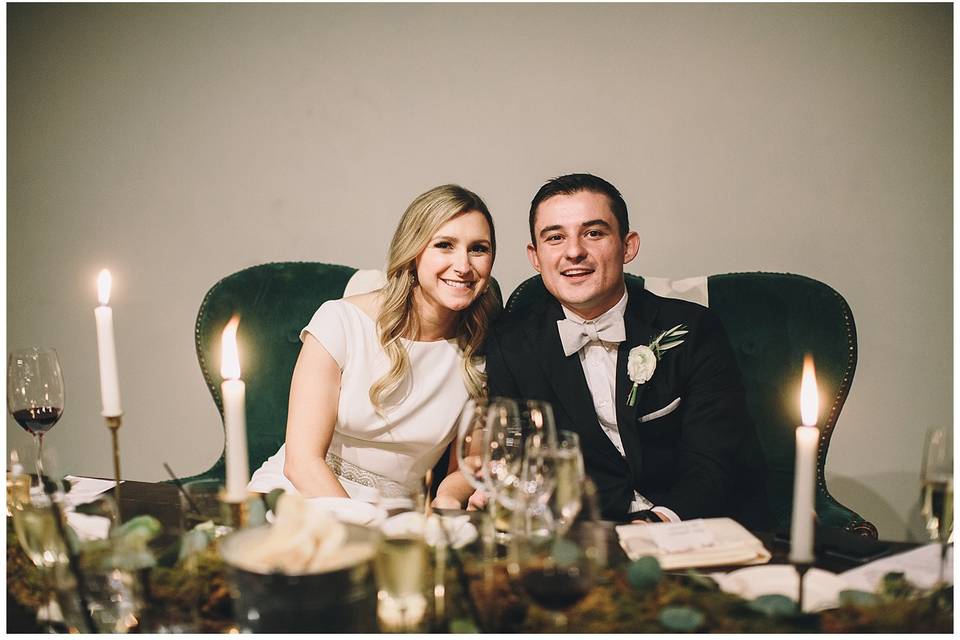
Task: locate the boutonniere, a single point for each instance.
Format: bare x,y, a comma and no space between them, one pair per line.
642,359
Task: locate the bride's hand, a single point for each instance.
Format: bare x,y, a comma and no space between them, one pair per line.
477,501
443,501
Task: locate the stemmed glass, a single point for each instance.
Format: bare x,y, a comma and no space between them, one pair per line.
40,539
555,568
937,489
503,456
470,448
567,498
35,393
402,559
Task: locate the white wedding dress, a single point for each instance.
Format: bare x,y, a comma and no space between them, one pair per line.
421,415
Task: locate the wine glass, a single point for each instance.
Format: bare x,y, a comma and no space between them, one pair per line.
469,447
502,459
555,568
35,393
111,588
937,487
539,427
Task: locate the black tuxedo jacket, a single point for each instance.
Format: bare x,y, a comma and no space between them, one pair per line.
682,435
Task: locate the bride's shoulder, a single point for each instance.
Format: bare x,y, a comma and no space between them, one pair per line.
367,303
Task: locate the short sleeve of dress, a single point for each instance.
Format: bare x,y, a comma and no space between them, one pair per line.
330,326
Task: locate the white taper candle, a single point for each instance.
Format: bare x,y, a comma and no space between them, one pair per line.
805,470
234,416
107,350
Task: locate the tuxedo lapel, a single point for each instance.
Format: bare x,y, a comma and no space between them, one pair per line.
637,319
566,377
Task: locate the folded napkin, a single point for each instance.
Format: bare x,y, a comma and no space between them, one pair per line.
458,529
821,589
83,490
921,566
88,527
695,543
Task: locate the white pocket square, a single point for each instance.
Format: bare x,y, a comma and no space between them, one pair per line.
659,413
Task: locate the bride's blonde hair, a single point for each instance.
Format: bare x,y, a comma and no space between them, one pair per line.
398,318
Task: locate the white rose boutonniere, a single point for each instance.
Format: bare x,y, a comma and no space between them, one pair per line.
642,359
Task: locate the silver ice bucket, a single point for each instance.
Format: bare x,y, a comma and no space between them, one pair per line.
343,599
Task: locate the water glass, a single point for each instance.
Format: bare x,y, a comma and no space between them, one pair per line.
200,502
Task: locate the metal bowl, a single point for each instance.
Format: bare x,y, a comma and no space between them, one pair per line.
343,599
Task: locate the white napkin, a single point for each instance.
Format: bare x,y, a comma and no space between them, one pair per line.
458,529
821,589
83,490
702,543
921,566
88,527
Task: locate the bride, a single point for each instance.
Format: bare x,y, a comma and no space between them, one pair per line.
382,377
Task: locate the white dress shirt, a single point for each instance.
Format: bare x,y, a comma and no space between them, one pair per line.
599,362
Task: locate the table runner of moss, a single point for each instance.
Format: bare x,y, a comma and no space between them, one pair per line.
691,602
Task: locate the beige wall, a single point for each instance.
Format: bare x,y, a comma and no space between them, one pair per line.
175,144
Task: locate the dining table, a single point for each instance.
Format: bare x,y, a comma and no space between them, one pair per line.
680,588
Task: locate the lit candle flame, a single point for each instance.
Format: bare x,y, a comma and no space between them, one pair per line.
230,356
103,286
809,399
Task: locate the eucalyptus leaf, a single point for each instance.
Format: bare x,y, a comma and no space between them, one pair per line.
145,527
683,619
775,605
857,598
272,498
895,585
463,625
644,573
194,541
701,580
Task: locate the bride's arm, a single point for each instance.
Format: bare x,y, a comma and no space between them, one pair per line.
312,416
454,489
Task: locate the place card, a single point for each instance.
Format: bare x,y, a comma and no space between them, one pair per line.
680,537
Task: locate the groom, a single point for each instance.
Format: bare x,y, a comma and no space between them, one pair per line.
658,449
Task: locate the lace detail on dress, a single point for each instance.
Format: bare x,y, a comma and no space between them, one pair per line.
349,471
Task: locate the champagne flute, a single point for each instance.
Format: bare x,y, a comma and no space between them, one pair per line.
402,558
567,498
39,537
937,489
35,393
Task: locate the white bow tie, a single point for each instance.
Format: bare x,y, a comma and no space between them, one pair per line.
575,335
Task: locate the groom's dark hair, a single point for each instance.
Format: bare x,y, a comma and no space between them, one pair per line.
575,183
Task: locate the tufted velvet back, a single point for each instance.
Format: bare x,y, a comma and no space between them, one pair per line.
772,320
274,301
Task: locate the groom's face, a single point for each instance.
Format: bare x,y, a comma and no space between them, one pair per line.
579,251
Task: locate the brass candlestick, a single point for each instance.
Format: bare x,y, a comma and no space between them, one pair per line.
113,423
801,568
238,513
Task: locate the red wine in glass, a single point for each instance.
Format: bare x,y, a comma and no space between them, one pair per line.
35,392
556,588
37,420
